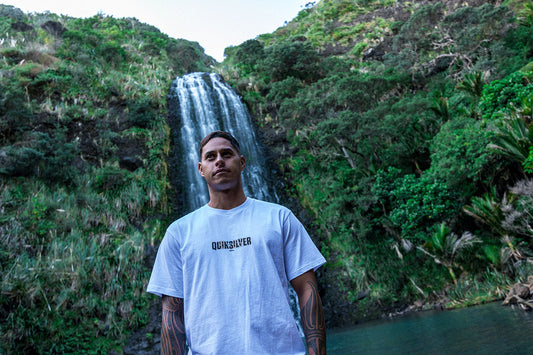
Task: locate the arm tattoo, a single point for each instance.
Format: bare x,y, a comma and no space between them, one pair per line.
313,323
173,326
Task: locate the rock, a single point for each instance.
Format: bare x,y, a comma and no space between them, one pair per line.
54,28
21,26
521,293
363,294
377,52
147,340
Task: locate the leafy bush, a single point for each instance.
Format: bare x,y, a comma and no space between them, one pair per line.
281,90
296,59
185,57
15,115
502,95
247,55
58,156
112,53
528,163
142,113
459,155
110,179
414,203
19,161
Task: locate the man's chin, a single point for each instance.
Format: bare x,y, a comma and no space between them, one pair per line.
224,186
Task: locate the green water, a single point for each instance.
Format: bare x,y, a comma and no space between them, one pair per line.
486,329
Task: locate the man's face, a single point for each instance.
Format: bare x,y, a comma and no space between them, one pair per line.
221,165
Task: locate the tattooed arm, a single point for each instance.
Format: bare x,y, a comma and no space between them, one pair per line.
312,316
172,327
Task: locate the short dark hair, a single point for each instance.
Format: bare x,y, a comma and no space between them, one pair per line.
219,134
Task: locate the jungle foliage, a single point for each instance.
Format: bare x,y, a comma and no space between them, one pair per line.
83,184
410,131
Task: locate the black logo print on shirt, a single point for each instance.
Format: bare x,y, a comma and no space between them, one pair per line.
232,244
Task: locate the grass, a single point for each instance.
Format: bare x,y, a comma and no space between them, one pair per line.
71,256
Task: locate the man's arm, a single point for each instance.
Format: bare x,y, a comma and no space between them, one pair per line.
173,326
311,314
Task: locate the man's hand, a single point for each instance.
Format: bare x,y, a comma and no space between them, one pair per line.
173,326
312,316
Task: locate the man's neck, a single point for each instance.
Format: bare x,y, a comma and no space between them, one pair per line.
226,200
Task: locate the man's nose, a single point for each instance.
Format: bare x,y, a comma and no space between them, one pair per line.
219,159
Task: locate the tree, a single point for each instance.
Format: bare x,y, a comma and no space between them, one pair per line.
473,83
513,134
413,205
459,155
295,58
444,247
503,96
489,211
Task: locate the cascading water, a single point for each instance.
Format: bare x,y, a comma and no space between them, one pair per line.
204,103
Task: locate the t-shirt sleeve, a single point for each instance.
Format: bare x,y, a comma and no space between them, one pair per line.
167,275
300,253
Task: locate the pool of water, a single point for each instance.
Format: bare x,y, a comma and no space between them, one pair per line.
485,329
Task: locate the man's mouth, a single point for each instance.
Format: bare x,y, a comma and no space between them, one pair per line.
220,171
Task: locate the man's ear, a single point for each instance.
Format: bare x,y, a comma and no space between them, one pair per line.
243,163
200,170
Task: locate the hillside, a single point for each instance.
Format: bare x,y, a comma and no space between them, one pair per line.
83,180
404,128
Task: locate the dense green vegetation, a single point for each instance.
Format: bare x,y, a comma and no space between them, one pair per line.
406,131
83,181
409,128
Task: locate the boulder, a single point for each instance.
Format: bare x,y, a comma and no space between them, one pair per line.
521,294
54,28
21,26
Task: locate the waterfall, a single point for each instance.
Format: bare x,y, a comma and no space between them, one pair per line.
203,103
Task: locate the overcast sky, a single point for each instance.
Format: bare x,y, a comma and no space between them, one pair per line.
215,24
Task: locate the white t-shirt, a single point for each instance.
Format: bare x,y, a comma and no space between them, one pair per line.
232,268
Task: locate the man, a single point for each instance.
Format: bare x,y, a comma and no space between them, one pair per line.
223,270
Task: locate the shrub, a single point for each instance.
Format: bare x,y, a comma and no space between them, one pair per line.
296,59
112,53
142,113
505,94
415,204
15,114
58,156
281,90
110,179
19,161
459,154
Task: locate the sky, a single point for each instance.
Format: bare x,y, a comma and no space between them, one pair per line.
215,24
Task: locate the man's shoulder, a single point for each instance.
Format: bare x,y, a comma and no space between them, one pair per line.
188,218
268,207
266,204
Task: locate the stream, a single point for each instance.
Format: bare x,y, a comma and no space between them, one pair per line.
484,329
